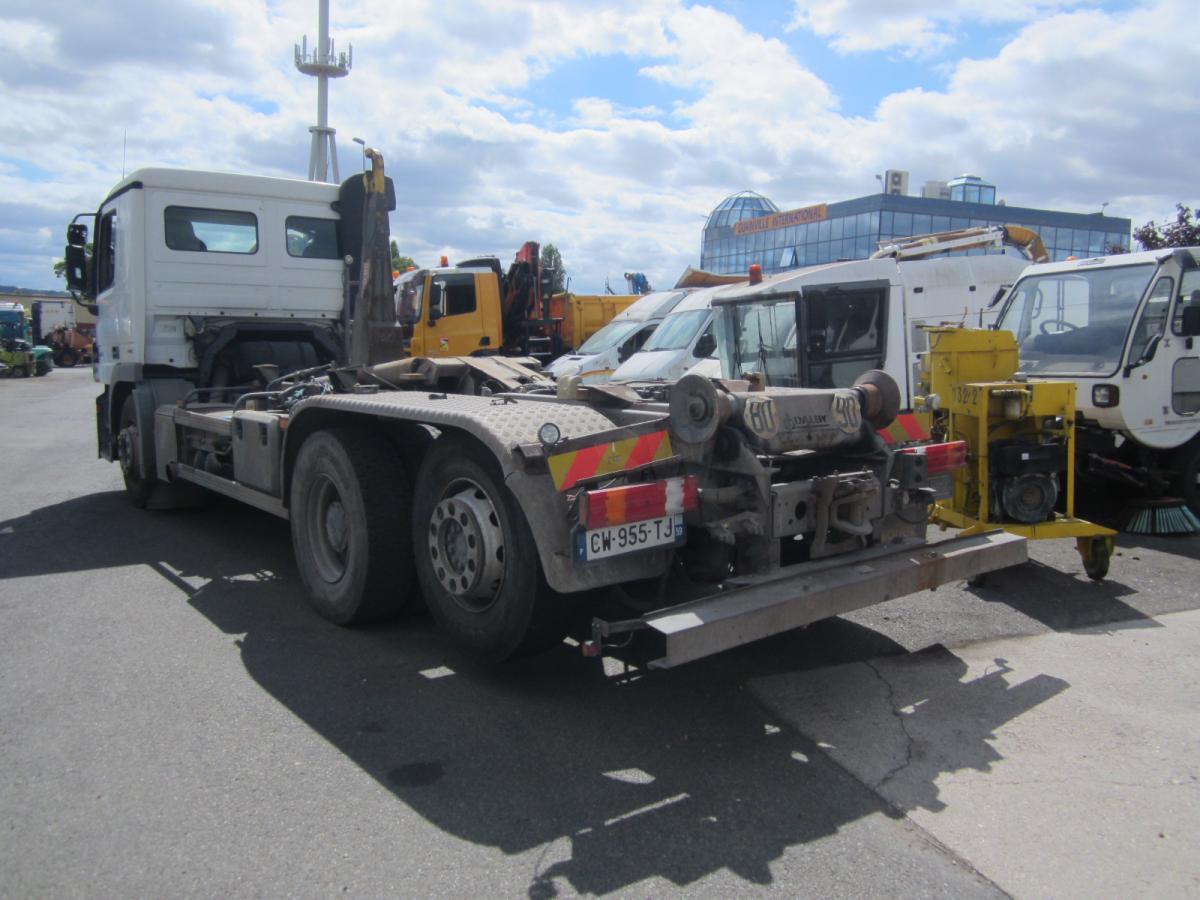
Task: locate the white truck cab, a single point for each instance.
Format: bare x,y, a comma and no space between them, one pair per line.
199,280
179,252
596,359
1125,329
854,316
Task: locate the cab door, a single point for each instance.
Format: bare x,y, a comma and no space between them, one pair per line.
454,324
1160,390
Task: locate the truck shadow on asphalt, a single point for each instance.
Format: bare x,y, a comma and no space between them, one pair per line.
609,777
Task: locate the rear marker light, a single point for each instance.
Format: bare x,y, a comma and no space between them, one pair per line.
638,502
941,458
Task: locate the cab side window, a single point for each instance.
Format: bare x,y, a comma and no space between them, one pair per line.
844,337
1189,296
310,238
453,295
1154,317
106,251
634,342
196,230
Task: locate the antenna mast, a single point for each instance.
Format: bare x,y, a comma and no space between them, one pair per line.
323,63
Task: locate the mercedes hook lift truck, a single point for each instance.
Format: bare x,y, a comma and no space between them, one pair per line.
469,482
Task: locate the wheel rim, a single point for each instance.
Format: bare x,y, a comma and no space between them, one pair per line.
127,442
328,530
466,545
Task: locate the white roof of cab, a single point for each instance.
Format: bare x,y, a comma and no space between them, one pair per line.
783,282
1119,259
230,183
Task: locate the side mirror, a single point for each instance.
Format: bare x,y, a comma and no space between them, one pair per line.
1190,326
76,270
625,351
77,235
705,346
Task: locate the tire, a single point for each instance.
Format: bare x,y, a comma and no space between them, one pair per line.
476,558
19,372
1096,556
68,359
137,488
351,527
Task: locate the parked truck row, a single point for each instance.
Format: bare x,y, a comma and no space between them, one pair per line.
234,360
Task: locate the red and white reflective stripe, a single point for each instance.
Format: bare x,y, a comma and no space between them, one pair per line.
907,427
941,458
638,502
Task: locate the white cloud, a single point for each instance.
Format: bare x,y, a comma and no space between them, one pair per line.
914,29
1080,108
1077,109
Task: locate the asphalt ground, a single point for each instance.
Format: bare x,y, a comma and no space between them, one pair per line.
174,719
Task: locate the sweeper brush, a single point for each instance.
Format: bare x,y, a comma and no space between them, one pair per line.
1164,515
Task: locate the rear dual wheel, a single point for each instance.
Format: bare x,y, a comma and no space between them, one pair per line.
351,526
476,558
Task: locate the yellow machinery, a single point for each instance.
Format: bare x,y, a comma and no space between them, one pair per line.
1020,438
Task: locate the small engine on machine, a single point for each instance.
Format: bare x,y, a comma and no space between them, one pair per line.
1024,474
1020,438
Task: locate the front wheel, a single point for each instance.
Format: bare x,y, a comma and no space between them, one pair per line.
350,518
476,557
68,359
19,372
129,450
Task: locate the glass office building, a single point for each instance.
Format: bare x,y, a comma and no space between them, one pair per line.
748,228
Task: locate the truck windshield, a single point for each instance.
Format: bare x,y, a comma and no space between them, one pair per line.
1075,323
678,330
759,337
608,336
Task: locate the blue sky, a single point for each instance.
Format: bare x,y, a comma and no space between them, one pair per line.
610,128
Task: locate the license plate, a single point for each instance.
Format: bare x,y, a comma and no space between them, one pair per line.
600,543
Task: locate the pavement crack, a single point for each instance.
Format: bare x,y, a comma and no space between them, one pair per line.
901,719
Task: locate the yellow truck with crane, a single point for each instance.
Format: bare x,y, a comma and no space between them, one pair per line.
478,308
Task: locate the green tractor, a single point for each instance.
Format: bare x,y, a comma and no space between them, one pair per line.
16,349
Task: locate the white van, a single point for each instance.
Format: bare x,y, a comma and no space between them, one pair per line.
617,341
682,339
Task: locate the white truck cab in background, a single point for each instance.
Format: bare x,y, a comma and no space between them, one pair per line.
853,316
1125,329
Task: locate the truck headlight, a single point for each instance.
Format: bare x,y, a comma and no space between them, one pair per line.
1105,395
